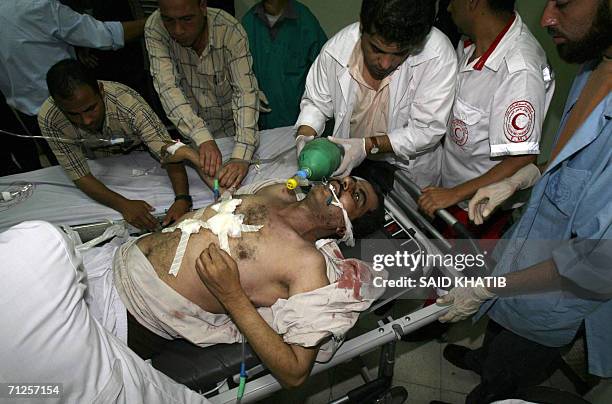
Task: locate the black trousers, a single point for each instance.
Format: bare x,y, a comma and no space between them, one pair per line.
508,364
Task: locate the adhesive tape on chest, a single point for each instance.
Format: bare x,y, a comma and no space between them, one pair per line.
225,223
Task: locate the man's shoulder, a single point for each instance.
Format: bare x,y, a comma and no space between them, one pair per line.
221,17
524,52
340,46
121,93
50,116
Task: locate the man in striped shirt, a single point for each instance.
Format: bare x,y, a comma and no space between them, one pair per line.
84,110
202,69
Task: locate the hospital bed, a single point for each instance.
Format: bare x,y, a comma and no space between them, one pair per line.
51,196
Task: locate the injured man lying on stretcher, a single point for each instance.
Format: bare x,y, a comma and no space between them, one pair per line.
269,278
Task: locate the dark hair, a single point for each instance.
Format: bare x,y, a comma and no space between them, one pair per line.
403,22
372,220
380,175
66,76
502,6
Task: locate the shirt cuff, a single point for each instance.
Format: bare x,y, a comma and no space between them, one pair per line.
311,116
201,136
511,149
75,174
243,151
116,30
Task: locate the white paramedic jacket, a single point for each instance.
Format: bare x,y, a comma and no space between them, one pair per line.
502,100
421,93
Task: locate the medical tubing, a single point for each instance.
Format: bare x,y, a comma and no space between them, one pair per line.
243,374
111,142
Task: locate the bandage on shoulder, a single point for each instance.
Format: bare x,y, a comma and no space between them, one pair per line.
224,224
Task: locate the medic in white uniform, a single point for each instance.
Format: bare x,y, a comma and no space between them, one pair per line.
348,79
504,88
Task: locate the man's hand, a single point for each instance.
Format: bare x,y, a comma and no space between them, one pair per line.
210,158
232,173
138,214
354,154
219,273
87,58
434,198
176,211
300,142
488,198
465,302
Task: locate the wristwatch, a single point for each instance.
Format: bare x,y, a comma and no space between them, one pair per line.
375,146
184,197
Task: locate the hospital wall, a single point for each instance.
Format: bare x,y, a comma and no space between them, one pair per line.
336,14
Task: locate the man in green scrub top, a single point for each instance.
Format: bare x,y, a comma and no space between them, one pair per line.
285,38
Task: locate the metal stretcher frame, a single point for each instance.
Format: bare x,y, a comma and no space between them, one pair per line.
401,208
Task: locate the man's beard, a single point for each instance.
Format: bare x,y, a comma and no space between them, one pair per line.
594,43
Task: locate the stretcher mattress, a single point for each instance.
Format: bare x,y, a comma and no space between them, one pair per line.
137,175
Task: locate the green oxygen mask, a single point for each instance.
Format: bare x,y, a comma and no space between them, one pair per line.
318,160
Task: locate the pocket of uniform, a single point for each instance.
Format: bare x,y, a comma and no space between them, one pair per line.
566,187
464,125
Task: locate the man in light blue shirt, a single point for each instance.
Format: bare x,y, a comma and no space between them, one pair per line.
557,261
36,34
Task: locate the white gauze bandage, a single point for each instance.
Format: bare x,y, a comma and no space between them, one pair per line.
174,147
224,224
348,233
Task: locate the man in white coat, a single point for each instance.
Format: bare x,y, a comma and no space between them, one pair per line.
389,83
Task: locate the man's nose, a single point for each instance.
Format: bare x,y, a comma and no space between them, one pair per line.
87,119
348,183
549,15
386,61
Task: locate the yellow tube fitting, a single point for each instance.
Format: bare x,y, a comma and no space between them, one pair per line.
292,183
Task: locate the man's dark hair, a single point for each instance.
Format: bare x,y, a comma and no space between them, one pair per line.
64,77
502,6
403,22
381,176
372,220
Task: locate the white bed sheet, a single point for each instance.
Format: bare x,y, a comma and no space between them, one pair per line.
57,200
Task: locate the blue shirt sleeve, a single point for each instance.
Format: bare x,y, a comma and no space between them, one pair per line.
82,29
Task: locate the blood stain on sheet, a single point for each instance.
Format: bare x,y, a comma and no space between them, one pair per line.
178,314
352,276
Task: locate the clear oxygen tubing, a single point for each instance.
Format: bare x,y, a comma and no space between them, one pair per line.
243,374
88,142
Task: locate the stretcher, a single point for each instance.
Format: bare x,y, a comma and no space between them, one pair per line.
213,371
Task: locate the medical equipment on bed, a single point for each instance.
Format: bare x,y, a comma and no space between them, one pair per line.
89,142
317,160
15,193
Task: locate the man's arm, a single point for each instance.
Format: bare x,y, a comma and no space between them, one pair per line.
180,185
290,364
135,212
435,198
430,108
245,106
133,29
84,30
165,80
317,104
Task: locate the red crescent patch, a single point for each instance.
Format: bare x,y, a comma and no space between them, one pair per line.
459,132
519,121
